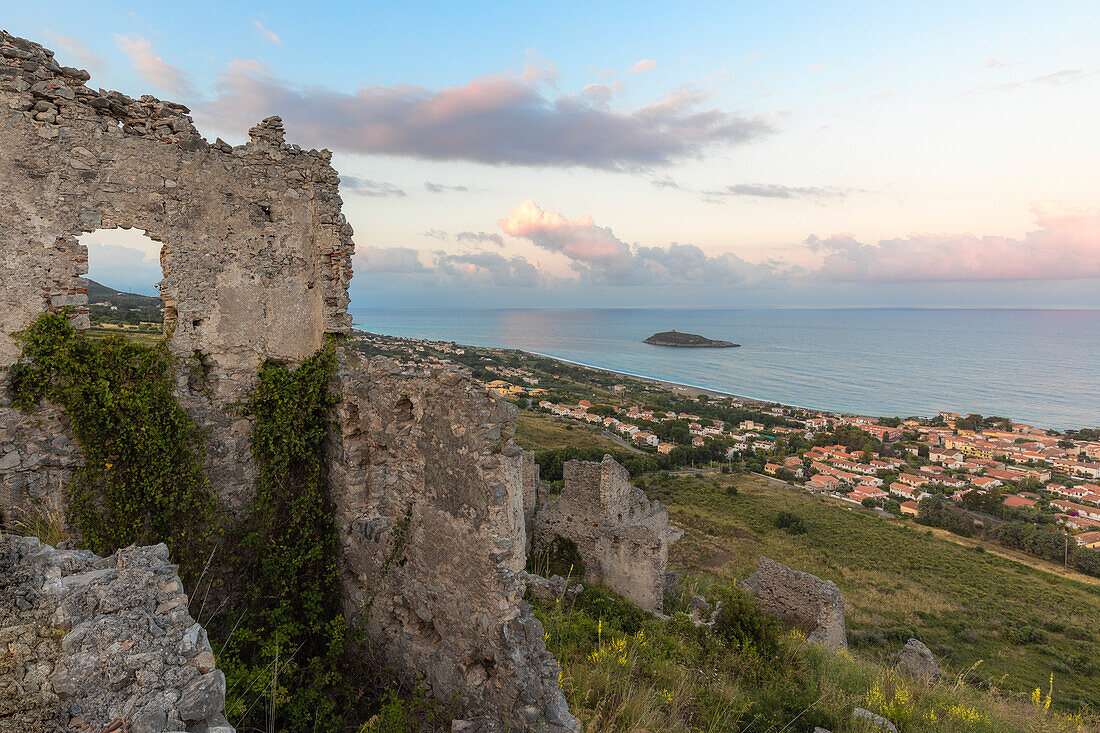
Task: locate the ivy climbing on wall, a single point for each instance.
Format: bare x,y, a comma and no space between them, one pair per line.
289,638
142,478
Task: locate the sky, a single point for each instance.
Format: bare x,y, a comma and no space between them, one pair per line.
650,153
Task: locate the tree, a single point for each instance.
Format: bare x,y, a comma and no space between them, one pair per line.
936,511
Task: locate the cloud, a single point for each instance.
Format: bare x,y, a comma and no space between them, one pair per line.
153,68
643,66
1066,245
1065,76
666,182
477,238
447,270
754,190
772,191
490,267
267,33
443,188
1056,78
436,234
996,63
402,260
500,119
367,187
125,268
816,67
598,256
81,54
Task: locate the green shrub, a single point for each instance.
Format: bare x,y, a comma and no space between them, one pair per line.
603,604
142,480
791,522
561,557
744,625
392,718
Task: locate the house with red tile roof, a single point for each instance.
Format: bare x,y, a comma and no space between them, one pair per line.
1088,539
1018,502
823,482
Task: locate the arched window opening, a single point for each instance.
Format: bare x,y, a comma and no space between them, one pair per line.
123,279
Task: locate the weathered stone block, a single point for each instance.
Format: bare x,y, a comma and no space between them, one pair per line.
801,600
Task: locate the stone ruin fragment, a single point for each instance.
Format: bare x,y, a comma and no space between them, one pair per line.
256,257
621,535
801,600
92,644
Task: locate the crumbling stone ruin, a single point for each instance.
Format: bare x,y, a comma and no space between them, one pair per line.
428,486
429,489
622,537
801,600
255,252
89,644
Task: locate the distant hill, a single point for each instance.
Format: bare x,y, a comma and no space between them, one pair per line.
675,338
108,305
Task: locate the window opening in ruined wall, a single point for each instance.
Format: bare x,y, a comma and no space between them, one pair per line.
124,273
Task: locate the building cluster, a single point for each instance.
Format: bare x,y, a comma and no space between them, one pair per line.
624,419
1025,463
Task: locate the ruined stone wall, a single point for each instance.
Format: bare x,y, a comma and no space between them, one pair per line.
429,494
801,600
428,487
255,252
622,537
87,641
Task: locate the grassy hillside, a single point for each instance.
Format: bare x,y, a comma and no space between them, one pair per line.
128,308
1013,624
536,431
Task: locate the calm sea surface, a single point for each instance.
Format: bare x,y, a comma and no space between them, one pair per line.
1037,366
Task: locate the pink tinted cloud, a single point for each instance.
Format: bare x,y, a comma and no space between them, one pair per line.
578,240
1066,245
643,66
153,68
267,32
598,256
81,54
510,119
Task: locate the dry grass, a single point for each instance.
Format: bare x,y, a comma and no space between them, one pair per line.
44,520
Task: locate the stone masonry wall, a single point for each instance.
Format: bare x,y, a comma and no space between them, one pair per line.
255,252
802,600
427,484
87,642
429,493
622,537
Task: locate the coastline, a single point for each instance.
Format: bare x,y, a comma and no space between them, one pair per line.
675,386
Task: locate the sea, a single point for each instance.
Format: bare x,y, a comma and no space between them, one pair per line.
1041,367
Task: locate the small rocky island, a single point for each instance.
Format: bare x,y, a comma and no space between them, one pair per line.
675,338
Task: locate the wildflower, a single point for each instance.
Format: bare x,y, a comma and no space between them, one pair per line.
546,636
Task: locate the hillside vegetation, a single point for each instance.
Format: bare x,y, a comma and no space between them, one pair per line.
1010,624
542,432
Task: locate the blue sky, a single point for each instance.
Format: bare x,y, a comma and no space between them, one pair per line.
790,153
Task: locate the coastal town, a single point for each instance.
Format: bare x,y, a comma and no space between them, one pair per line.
993,469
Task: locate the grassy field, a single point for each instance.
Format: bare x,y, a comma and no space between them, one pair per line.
536,431
1014,624
146,333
